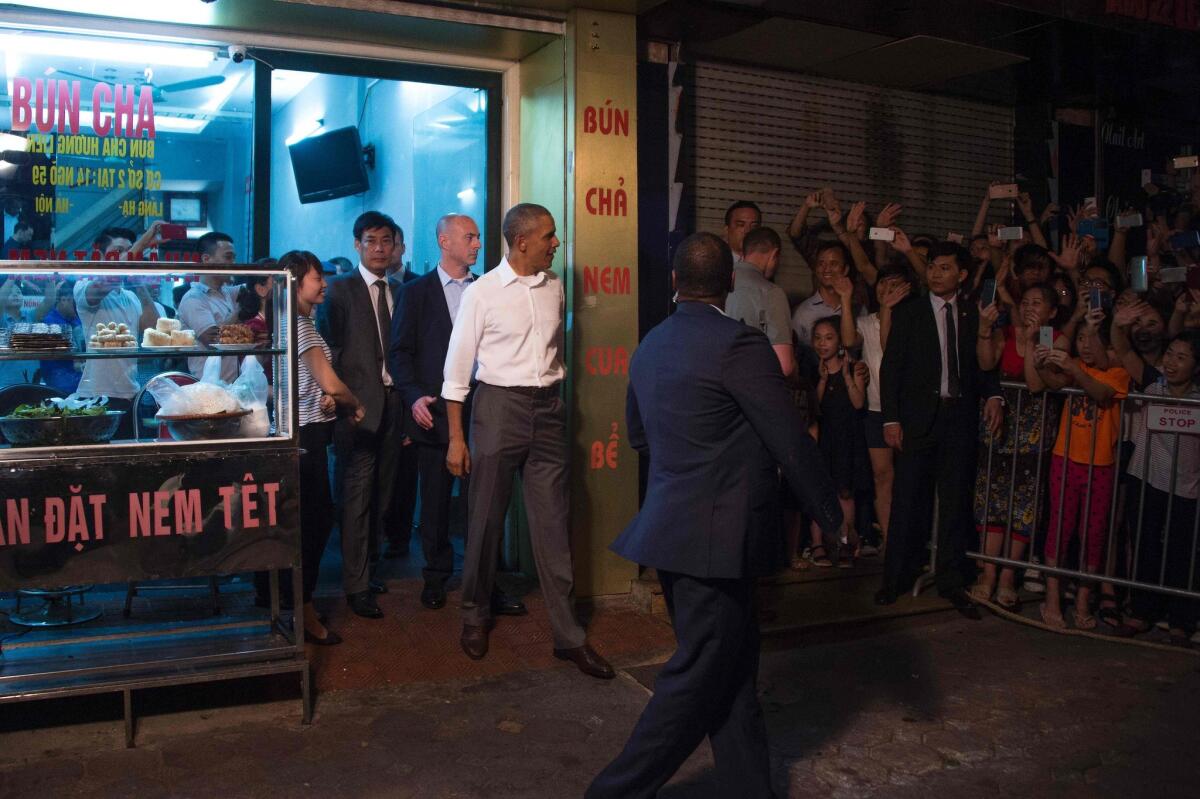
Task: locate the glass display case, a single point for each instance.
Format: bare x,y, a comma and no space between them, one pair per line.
96,356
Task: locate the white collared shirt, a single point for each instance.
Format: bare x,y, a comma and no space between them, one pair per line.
453,288
511,327
939,316
372,292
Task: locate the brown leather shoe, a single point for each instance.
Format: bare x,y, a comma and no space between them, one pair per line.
474,641
586,659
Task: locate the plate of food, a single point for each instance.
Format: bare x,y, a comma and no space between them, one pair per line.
198,411
59,422
112,336
168,335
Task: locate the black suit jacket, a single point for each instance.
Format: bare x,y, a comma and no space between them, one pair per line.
911,375
346,321
421,326
708,403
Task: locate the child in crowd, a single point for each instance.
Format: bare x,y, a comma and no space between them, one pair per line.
841,398
1164,477
1082,469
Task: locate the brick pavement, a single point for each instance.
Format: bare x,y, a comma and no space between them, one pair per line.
935,706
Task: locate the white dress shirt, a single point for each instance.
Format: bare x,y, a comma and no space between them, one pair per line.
512,328
453,289
373,290
939,316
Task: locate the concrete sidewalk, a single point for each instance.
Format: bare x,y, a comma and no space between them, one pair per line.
930,706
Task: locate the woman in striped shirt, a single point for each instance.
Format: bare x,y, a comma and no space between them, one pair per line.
322,396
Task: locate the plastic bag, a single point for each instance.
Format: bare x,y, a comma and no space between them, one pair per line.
251,390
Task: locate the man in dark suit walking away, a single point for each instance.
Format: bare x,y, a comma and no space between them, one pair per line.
708,403
356,321
930,388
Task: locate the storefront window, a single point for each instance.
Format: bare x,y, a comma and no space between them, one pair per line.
421,153
102,138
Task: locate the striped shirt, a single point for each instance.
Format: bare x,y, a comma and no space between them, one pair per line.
308,389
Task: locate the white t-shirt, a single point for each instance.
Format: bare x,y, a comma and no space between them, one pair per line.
111,377
1162,445
872,356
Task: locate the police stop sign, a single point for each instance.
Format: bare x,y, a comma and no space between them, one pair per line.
1173,418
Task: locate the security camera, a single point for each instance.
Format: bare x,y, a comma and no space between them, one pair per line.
237,53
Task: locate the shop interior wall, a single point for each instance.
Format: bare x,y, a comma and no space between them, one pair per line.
326,227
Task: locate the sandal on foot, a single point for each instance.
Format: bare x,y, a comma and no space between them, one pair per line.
821,560
799,564
1085,622
980,592
1109,614
1053,620
1007,598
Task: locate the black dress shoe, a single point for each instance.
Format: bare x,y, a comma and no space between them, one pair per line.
587,661
331,638
433,596
474,641
377,586
885,596
363,604
505,605
964,605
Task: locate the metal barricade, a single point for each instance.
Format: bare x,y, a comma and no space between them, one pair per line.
1151,545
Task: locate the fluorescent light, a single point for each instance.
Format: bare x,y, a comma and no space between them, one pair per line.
10,142
467,194
108,50
304,131
193,13
179,124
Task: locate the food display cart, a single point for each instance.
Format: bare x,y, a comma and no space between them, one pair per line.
191,477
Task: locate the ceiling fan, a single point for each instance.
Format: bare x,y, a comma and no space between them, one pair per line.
160,92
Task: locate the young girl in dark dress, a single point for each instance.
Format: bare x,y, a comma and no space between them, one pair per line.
842,398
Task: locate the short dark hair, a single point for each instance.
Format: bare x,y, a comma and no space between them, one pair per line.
833,245
1190,337
1114,275
742,204
1031,255
520,219
833,321
371,220
207,244
119,233
901,271
761,239
959,252
299,263
703,266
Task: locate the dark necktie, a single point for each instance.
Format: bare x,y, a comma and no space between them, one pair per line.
382,316
951,352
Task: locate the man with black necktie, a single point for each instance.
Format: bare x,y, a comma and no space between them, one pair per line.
356,321
930,389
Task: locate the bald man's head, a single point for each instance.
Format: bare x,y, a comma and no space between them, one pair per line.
458,239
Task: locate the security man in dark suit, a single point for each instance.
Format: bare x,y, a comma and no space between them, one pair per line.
356,321
708,404
421,326
930,388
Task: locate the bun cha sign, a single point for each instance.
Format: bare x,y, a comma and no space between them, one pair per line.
51,105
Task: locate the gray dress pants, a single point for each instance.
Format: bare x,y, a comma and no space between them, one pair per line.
520,430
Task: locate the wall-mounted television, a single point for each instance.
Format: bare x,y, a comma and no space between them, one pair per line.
329,166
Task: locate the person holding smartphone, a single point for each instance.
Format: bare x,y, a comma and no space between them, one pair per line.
1019,451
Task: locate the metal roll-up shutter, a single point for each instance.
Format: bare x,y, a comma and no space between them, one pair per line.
773,137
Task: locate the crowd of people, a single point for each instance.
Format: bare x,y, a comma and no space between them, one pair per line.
991,370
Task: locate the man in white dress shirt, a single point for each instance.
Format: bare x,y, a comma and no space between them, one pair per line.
509,332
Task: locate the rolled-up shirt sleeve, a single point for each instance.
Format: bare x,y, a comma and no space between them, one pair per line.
464,346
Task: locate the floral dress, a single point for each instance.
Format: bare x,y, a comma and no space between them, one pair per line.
1019,459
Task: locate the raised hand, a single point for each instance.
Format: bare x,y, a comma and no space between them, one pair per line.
901,242
1025,204
887,217
813,200
854,220
844,287
898,291
1072,252
1126,315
